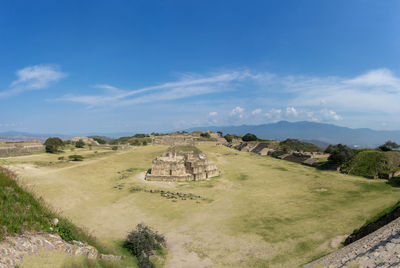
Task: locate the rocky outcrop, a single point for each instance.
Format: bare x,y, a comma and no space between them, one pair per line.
14,248
182,166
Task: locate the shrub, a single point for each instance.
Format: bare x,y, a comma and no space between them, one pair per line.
53,145
228,138
340,154
142,242
388,146
100,141
297,145
114,148
61,158
373,164
80,144
144,143
205,135
140,135
135,142
75,157
249,137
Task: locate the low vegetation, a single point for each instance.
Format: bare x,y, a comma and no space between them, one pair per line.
297,145
373,164
135,140
75,157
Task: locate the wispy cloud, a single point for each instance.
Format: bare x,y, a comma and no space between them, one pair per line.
290,97
35,77
188,86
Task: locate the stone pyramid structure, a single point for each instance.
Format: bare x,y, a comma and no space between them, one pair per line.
182,163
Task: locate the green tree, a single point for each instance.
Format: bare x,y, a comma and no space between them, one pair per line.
80,144
53,144
228,138
340,154
142,242
100,141
205,135
249,137
389,146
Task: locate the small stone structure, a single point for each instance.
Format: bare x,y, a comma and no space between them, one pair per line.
182,165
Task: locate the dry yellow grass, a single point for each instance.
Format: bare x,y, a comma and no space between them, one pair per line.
260,212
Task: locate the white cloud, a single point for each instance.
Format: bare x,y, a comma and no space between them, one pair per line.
273,114
187,86
33,78
291,111
330,114
238,111
378,77
213,114
256,111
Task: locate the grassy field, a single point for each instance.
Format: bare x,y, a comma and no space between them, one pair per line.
260,212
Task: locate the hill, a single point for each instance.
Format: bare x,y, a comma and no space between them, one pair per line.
317,132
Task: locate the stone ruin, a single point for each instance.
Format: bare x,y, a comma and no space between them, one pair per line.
17,147
182,165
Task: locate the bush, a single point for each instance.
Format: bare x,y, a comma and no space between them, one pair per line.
135,142
144,143
114,148
100,141
373,164
249,137
53,145
205,135
228,138
75,157
340,154
297,145
388,146
80,144
61,158
142,242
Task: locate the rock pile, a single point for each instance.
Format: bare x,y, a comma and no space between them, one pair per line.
174,196
14,248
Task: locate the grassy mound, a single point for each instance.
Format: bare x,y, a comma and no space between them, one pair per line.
373,164
20,211
296,145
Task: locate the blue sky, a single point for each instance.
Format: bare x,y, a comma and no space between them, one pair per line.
118,66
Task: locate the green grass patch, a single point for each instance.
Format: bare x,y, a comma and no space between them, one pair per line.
21,211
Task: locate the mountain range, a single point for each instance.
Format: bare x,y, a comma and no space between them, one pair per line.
313,132
320,134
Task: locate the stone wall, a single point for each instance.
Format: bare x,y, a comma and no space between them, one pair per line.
9,148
